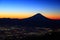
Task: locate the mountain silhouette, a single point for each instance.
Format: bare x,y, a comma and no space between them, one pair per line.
37,20
38,16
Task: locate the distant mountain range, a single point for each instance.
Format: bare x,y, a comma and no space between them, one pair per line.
37,20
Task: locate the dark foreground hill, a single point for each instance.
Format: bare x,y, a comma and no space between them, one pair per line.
37,20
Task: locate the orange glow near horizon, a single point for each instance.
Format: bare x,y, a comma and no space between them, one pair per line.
26,15
16,15
53,16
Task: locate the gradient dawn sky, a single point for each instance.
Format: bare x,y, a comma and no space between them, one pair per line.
28,8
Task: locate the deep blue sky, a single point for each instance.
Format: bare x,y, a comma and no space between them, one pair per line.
29,5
